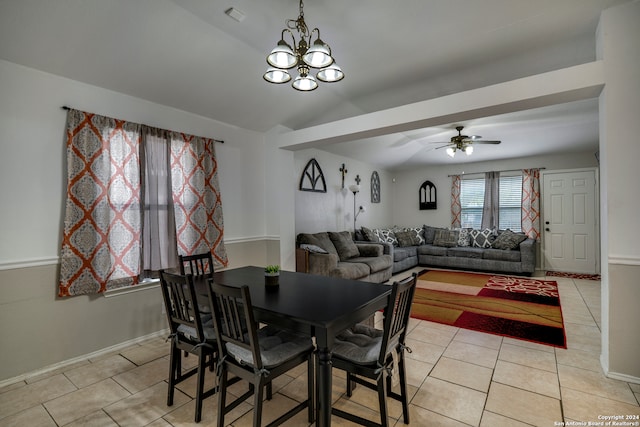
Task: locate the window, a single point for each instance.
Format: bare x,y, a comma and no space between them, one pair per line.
472,202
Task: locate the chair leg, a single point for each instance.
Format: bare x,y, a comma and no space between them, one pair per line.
403,388
202,366
173,372
311,387
349,384
269,391
257,403
382,398
222,394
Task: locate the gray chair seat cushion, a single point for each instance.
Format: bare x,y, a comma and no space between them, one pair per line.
276,346
207,326
465,252
359,344
432,250
375,264
501,255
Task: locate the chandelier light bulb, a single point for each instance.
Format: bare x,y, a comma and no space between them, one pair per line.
318,55
451,152
468,149
282,56
332,73
276,75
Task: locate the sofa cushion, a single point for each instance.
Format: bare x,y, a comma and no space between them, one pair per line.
418,234
465,252
429,234
508,240
481,238
432,250
386,235
369,235
501,255
344,244
375,264
350,270
407,238
401,253
464,237
446,238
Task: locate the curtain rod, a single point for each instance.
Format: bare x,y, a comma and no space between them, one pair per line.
507,170
64,107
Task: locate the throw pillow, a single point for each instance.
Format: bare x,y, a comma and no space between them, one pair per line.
406,238
418,234
481,238
313,248
508,240
464,238
369,235
446,238
386,235
344,244
430,234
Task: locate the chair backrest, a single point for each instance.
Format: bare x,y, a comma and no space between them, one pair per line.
180,302
234,320
396,315
197,265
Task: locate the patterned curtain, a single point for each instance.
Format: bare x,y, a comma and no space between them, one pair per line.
136,196
531,202
491,207
196,197
102,224
456,207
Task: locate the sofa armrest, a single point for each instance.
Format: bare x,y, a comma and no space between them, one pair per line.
322,264
528,255
370,249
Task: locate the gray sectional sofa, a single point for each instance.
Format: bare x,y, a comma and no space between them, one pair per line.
336,254
488,250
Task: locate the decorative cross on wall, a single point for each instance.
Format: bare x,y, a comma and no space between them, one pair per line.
343,171
358,179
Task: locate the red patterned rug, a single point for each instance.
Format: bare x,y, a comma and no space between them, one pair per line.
517,307
574,275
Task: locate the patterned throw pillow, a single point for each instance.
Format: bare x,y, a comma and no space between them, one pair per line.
508,240
481,238
429,234
418,234
446,238
464,238
386,235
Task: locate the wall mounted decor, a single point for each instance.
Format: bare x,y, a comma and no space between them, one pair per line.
343,172
428,196
375,187
312,178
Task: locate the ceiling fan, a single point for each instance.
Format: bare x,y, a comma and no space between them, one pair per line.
464,142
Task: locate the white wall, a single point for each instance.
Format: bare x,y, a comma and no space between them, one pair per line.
43,329
333,210
406,212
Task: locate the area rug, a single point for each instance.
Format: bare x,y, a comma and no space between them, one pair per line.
574,275
517,307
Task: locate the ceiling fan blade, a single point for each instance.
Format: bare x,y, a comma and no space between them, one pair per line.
486,142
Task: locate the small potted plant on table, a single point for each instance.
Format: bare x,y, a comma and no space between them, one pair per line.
272,275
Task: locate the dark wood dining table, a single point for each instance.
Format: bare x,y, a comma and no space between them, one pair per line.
319,306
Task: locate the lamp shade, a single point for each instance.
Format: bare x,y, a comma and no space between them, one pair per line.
332,73
318,55
282,56
354,188
276,75
304,83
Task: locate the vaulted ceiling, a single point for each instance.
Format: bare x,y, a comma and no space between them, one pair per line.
190,55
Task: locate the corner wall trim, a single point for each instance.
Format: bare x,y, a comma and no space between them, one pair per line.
624,260
27,263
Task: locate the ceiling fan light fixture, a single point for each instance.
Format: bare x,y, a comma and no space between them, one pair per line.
468,149
451,151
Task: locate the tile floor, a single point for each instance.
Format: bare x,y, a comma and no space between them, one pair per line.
457,377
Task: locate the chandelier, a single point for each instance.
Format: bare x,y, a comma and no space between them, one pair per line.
304,55
468,149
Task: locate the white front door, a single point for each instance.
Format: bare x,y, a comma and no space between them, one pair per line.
569,217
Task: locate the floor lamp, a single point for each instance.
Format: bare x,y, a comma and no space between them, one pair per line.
355,189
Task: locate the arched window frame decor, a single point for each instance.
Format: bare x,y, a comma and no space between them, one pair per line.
427,196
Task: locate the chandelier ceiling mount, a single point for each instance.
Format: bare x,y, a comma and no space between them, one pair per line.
302,55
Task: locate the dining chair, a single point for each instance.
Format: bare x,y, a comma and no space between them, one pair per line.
197,264
257,355
191,332
365,352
